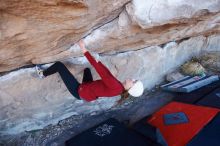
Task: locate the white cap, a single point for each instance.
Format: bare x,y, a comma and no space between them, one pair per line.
137,89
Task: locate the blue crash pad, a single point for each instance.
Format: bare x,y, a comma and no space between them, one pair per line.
109,133
209,135
211,100
189,84
194,96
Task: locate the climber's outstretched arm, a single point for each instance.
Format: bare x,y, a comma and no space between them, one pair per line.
101,69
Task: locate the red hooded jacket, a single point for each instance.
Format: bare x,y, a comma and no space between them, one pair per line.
107,86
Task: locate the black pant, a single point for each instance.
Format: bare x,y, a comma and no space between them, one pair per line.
69,80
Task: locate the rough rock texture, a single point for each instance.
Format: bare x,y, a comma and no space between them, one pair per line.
150,13
35,29
42,31
136,39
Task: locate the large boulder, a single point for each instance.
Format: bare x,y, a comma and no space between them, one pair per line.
29,103
36,29
135,39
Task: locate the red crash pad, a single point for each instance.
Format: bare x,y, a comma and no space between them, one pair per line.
181,134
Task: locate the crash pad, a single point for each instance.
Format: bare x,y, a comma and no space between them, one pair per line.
180,134
109,133
211,100
209,135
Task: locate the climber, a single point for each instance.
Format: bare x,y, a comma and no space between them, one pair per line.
90,90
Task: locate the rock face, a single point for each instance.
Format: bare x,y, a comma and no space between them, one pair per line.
28,102
35,29
135,39
155,13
